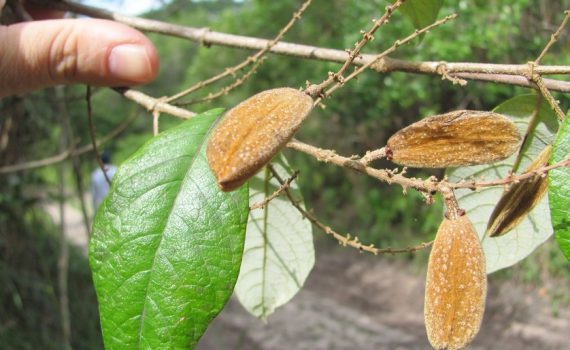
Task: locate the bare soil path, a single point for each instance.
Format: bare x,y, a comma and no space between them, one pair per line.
360,302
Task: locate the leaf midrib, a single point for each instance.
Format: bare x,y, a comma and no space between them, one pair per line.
193,158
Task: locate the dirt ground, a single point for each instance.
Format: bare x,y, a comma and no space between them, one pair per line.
354,301
360,302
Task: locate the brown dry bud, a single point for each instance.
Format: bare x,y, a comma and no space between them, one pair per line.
456,285
519,199
251,133
455,139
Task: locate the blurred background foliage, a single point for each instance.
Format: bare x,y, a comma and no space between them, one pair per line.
359,117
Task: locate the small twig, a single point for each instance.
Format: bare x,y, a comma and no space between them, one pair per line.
427,186
388,51
345,240
63,257
93,136
252,59
317,90
226,89
498,73
553,38
371,156
155,121
68,152
154,104
542,171
67,131
442,69
537,79
285,185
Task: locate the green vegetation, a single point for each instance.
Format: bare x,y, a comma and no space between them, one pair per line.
357,118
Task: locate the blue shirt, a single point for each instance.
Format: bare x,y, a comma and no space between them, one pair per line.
99,185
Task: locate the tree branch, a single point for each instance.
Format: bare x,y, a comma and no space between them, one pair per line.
466,70
344,240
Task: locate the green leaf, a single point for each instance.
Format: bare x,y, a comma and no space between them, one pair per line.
559,189
167,243
421,12
279,252
506,250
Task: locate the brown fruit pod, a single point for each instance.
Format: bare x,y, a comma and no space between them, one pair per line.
251,133
456,285
519,199
454,139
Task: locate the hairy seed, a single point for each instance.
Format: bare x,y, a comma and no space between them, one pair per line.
253,132
455,139
456,285
519,199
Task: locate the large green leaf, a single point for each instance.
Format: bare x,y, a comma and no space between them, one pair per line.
559,189
421,12
167,243
506,250
279,252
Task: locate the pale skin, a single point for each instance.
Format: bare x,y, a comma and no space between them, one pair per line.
53,51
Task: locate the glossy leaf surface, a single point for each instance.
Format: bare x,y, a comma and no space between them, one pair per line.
167,243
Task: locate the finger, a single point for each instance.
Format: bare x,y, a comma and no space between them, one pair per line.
95,52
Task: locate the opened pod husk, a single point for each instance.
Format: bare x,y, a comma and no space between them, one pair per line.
520,198
455,139
456,285
251,133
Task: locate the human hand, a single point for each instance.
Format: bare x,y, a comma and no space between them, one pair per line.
44,53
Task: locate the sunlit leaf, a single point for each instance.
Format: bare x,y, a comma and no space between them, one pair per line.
504,251
279,253
167,243
559,189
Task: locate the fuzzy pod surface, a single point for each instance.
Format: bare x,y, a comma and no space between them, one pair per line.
454,139
252,133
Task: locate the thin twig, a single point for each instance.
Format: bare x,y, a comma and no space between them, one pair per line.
225,90
285,185
537,78
371,156
388,51
63,257
553,38
155,121
467,70
345,240
316,90
68,152
75,160
252,59
93,136
154,104
427,186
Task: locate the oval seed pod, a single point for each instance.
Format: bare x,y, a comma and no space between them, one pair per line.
519,199
455,139
253,132
456,285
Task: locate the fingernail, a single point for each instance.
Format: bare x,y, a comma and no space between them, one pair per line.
130,62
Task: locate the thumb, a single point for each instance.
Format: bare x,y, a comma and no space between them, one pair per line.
95,52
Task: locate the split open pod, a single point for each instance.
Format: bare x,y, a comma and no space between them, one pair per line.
454,139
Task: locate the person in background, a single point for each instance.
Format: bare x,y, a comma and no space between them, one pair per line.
99,185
